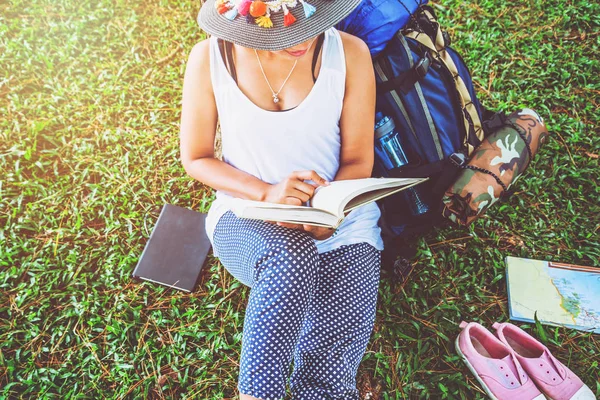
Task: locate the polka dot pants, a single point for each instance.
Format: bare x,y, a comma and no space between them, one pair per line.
318,308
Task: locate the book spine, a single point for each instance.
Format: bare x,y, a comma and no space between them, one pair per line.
162,212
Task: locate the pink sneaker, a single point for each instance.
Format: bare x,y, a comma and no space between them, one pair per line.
555,380
493,364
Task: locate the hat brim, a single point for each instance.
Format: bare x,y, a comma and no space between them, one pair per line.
279,37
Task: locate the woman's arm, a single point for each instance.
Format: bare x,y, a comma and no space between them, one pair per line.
358,112
197,133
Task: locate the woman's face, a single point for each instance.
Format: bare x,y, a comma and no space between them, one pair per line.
296,51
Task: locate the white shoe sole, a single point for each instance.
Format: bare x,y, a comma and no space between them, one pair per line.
585,393
487,389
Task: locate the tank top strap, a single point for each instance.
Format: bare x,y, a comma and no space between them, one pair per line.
218,72
333,51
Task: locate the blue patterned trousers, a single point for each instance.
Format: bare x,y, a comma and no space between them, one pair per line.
315,308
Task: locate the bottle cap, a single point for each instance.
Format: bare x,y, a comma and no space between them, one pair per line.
379,119
385,127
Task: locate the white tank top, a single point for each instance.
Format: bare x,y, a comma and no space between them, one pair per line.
272,144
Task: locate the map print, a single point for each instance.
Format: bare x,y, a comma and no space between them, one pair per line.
561,295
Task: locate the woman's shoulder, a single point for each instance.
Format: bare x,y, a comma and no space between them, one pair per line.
358,57
354,46
200,53
198,64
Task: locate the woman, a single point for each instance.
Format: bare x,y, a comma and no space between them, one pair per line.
295,99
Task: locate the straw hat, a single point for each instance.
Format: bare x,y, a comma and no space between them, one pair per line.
271,25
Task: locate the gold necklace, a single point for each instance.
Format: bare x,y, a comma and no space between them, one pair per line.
276,94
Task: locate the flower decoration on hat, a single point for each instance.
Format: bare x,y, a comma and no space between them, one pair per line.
259,12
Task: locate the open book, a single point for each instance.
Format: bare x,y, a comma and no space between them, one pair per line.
329,204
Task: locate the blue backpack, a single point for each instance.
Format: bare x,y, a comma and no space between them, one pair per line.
377,21
426,88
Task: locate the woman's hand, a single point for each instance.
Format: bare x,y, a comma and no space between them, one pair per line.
293,190
317,232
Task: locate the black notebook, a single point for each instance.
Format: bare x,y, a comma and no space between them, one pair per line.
176,250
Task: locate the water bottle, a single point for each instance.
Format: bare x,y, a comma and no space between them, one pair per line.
389,154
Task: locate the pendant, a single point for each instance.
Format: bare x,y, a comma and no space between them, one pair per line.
275,99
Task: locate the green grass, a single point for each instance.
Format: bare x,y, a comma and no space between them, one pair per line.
90,97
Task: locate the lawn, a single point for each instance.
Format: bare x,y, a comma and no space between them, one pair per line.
90,97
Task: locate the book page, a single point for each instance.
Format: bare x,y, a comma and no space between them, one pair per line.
370,196
337,196
282,213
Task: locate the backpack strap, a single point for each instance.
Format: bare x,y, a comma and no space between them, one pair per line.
406,80
229,52
445,170
439,50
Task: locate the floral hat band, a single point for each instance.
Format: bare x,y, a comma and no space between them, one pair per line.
259,12
271,24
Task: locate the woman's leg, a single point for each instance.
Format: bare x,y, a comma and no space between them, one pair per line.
338,325
280,265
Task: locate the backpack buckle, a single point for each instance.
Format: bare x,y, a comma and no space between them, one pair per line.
446,38
423,66
458,159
